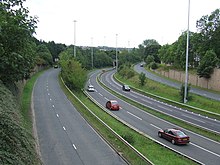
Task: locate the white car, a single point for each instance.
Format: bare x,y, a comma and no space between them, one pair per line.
91,88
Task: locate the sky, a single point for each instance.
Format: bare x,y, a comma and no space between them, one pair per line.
121,23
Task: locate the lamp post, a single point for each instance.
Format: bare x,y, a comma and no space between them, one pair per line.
74,51
92,51
116,49
187,56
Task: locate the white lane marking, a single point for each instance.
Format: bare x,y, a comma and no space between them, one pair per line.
165,108
106,98
48,94
74,146
205,149
64,128
134,115
50,99
47,89
193,118
134,96
53,106
57,115
155,126
146,101
100,94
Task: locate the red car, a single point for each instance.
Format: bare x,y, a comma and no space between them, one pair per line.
176,136
112,105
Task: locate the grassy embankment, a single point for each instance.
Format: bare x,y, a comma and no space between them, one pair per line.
153,151
170,93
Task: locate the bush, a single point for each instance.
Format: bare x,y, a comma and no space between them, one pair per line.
153,65
129,138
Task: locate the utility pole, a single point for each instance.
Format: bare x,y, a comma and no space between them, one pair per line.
187,56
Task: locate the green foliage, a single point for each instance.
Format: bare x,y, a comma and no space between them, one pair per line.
44,55
149,59
73,74
126,71
16,145
182,91
153,65
16,44
207,64
142,79
129,138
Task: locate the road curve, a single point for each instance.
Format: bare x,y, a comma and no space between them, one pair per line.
200,147
177,85
64,136
194,118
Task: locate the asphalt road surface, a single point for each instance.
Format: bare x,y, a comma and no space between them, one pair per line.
194,118
177,85
65,138
200,148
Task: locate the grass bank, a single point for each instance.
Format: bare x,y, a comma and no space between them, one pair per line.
153,151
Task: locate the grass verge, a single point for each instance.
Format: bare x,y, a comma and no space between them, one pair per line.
173,120
153,151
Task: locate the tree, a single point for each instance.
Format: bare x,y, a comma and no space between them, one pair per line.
142,79
44,54
209,27
207,64
17,48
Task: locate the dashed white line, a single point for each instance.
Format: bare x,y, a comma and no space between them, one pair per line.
100,94
57,115
48,94
146,101
53,106
205,149
165,108
64,128
134,115
193,118
155,126
50,99
74,146
106,98
134,96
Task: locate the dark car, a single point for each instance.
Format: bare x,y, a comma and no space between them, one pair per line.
112,105
176,136
142,65
126,88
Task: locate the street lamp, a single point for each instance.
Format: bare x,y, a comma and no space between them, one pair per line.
74,38
116,60
187,56
92,51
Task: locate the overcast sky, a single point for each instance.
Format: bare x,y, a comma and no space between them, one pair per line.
133,20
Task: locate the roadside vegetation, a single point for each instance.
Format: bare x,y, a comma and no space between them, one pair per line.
153,151
21,55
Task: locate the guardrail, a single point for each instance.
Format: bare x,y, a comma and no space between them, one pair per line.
175,103
108,127
144,134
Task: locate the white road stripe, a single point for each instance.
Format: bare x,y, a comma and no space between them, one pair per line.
155,126
57,115
134,96
193,118
165,108
64,128
205,149
106,98
50,99
134,115
74,146
100,94
48,94
146,101
53,106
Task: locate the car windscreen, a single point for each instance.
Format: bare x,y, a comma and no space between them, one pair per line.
180,134
114,102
